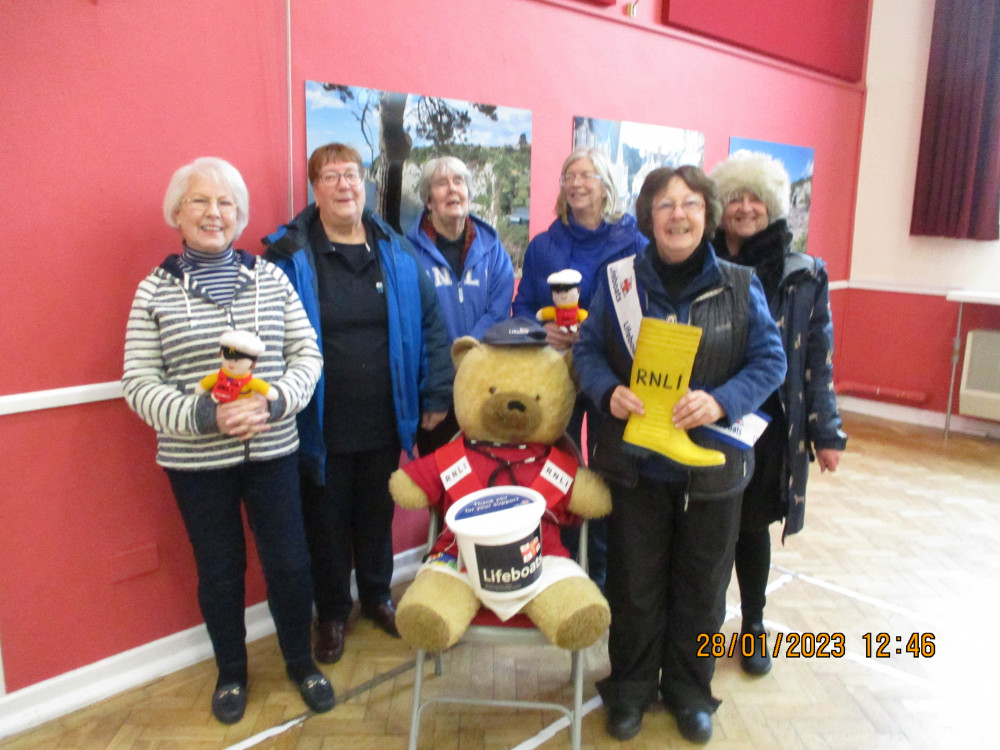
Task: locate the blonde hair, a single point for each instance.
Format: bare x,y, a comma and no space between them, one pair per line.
602,166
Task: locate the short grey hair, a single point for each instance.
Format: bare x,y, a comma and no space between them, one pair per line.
602,166
219,171
757,173
442,165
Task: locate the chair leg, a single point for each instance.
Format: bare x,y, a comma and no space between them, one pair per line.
576,723
418,683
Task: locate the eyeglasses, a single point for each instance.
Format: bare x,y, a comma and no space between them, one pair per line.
570,178
200,204
352,177
689,206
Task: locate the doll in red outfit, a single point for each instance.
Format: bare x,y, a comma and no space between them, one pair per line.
565,310
239,351
513,399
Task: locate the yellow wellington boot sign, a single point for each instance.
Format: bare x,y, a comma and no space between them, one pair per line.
661,373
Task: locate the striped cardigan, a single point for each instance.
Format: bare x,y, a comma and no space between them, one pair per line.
172,341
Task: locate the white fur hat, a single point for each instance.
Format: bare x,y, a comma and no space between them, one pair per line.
758,173
242,342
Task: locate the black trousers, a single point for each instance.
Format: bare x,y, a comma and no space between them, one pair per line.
349,524
668,570
209,501
763,503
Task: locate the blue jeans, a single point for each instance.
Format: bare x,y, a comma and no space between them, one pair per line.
209,502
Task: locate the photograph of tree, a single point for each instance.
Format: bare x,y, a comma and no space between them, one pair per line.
798,160
397,133
636,149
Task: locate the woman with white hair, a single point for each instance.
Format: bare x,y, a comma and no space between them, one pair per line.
589,232
219,456
805,424
464,258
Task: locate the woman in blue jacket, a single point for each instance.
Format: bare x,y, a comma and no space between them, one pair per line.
386,370
464,258
589,232
672,529
805,424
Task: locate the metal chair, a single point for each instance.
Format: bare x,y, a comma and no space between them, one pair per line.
505,634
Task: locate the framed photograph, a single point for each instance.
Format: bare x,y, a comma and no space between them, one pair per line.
635,149
397,133
798,161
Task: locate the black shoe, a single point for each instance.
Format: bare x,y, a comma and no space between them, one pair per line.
754,656
317,692
329,641
623,721
695,726
383,615
229,702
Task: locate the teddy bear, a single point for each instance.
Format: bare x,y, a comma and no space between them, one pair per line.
238,351
513,396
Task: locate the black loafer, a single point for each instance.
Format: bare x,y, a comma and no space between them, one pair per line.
754,657
695,726
317,692
623,721
383,615
229,702
329,641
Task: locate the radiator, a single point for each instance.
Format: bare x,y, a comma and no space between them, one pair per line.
979,394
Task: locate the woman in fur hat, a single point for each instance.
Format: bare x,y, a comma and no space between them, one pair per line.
805,424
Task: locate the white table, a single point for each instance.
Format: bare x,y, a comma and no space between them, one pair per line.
962,296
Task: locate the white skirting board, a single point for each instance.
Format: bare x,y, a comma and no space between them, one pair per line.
921,417
50,699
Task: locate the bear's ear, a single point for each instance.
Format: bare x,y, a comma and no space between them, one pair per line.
461,347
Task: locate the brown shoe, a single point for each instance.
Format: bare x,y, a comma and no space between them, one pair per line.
329,641
383,615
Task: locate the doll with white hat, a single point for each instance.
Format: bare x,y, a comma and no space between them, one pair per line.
239,351
565,310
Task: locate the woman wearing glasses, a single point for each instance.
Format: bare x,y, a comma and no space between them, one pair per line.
589,232
386,370
673,528
464,258
805,424
219,454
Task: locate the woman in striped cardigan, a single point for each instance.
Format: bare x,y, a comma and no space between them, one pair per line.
219,455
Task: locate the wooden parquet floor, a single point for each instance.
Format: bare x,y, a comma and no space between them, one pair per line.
901,540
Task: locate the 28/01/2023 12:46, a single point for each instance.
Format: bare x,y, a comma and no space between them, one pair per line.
816,645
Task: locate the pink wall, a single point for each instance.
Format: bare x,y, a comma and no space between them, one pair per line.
828,37
901,344
105,98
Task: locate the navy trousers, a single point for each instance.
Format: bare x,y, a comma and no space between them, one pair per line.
209,502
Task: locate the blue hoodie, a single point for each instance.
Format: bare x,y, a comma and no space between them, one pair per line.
482,296
573,246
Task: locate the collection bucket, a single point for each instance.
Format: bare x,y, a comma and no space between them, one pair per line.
500,539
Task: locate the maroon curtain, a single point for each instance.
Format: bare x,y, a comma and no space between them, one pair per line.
958,171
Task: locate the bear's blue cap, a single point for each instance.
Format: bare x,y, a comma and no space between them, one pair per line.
515,332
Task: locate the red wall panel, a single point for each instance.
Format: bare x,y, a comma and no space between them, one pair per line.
830,37
903,343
